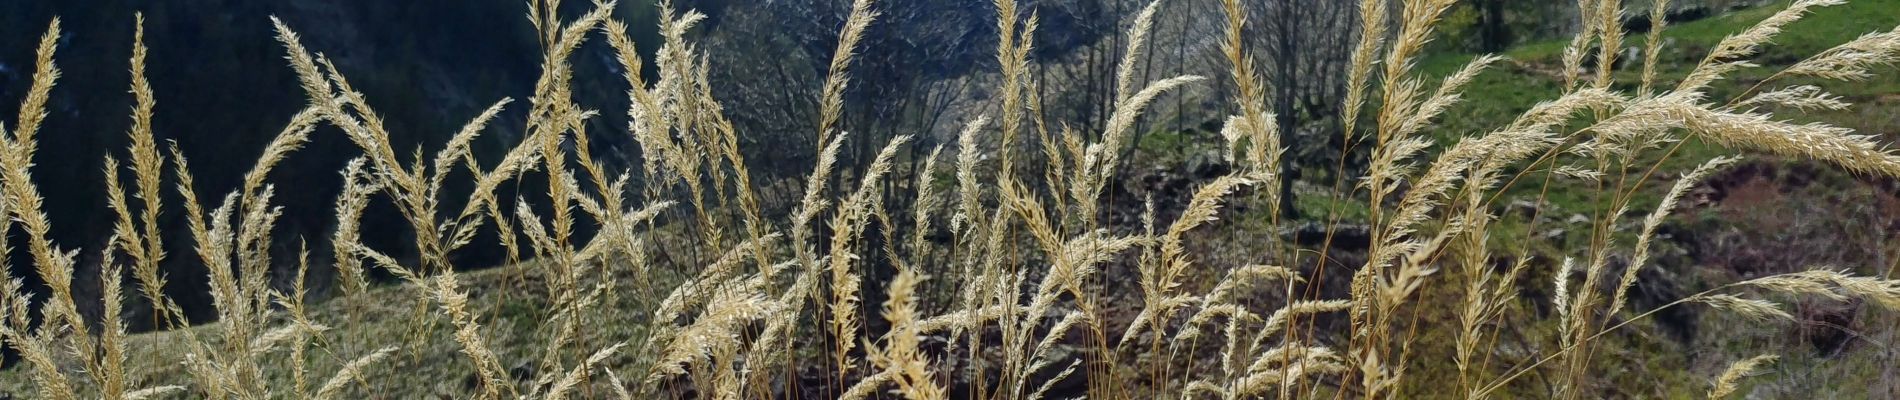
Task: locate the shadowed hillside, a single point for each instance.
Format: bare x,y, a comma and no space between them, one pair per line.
223,94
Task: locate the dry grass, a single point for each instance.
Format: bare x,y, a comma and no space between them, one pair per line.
1026,254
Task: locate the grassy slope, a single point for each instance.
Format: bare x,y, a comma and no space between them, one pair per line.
1507,91
1530,76
1655,365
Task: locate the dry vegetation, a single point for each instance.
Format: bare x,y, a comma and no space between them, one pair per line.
997,275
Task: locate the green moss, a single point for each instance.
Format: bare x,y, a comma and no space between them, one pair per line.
1322,205
1165,142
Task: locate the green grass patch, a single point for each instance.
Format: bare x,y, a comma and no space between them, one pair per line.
1321,205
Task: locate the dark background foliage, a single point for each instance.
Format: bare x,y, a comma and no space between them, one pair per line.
224,91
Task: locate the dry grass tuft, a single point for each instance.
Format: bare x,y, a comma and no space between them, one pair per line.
1027,260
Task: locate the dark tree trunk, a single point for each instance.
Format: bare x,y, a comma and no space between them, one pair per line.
1493,34
1285,95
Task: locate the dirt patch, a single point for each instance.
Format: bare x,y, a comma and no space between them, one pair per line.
1770,216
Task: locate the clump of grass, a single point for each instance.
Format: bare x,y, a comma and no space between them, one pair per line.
1027,253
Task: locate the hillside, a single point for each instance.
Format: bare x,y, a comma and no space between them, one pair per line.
1769,215
223,91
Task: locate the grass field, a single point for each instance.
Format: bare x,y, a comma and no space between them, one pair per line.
1008,286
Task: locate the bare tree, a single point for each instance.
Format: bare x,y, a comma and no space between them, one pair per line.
1304,45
